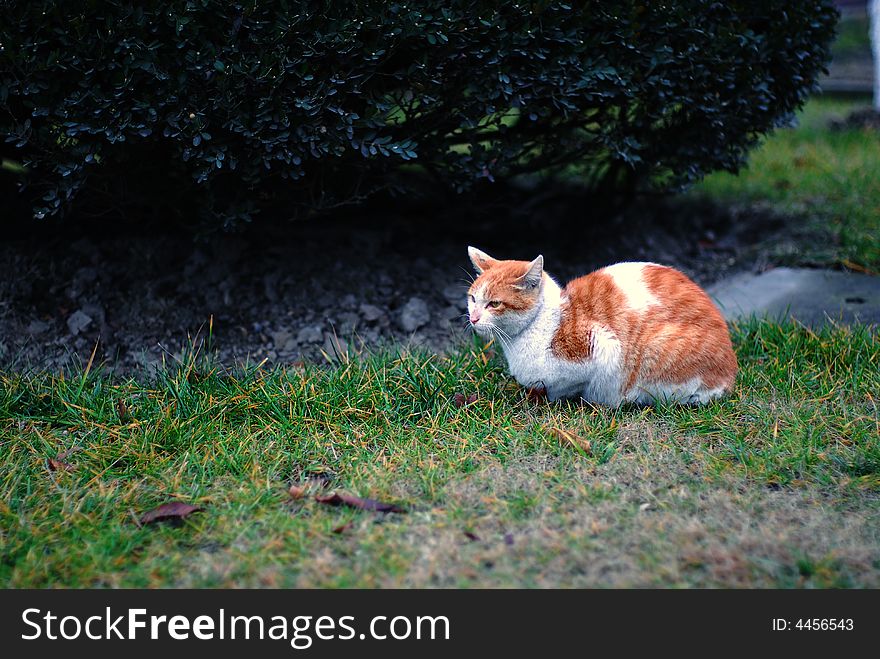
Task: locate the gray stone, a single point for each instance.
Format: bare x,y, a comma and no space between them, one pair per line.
455,294
283,340
347,322
148,361
95,312
334,347
414,315
349,302
811,296
371,313
310,334
37,327
78,321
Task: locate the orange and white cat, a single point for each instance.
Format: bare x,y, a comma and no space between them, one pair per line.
631,332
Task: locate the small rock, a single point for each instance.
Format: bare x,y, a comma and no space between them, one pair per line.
283,340
454,294
414,315
310,334
334,347
349,302
78,321
347,321
94,311
371,313
37,327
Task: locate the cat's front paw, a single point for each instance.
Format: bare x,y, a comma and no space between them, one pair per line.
536,395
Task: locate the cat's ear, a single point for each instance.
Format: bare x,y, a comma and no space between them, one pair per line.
534,273
480,259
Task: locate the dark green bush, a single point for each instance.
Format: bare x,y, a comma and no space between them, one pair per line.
231,107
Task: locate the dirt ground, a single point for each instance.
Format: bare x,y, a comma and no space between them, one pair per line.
285,293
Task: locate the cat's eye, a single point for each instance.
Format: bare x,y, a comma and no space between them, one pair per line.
472,298
493,304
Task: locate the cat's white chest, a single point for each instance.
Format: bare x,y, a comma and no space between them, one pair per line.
532,363
529,359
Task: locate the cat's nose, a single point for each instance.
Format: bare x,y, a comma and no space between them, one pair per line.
475,316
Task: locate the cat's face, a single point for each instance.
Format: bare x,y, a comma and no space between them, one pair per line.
503,297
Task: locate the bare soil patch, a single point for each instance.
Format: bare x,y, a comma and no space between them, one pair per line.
284,293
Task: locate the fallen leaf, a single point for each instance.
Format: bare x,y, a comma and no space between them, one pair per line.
58,463
565,436
473,537
460,400
343,528
858,268
172,510
65,454
297,491
308,481
343,499
122,411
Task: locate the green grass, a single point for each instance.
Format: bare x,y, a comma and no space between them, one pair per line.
829,181
776,486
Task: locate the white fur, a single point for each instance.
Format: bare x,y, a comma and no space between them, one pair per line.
691,391
629,278
526,339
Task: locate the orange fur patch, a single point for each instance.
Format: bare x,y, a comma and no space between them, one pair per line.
682,337
501,280
590,300
685,336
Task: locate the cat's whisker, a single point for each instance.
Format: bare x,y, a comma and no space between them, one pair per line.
503,337
507,342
